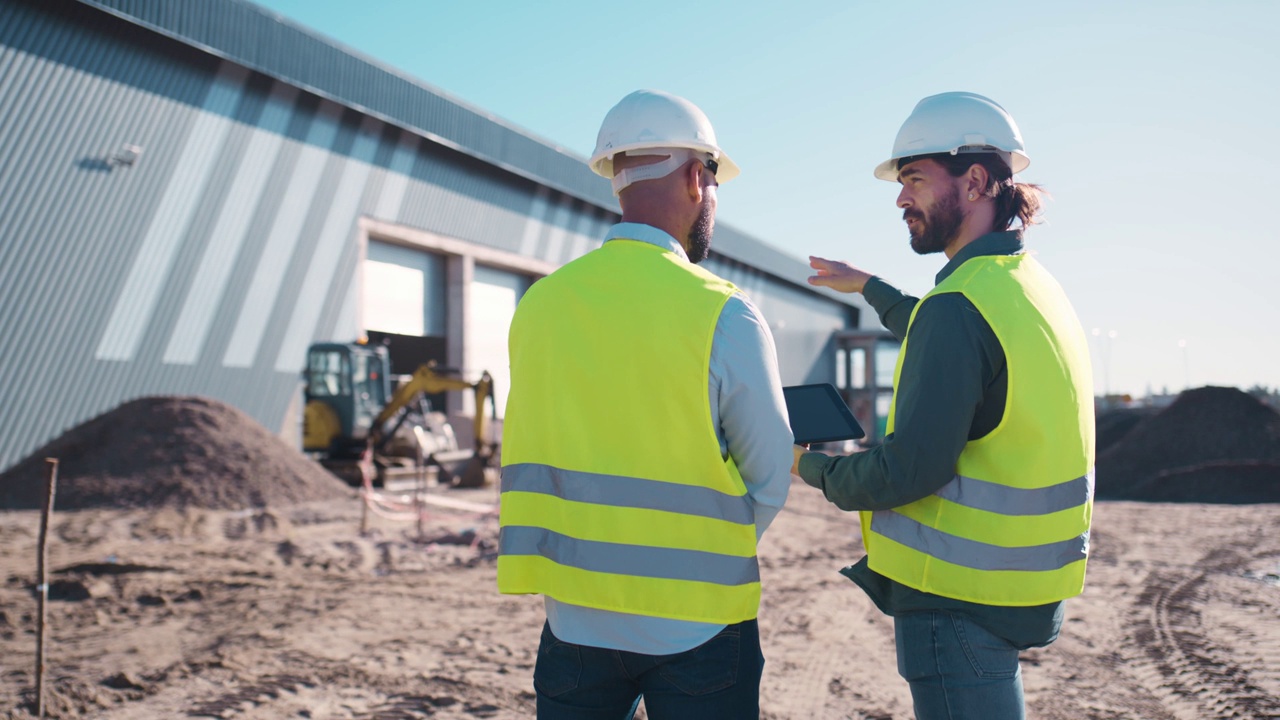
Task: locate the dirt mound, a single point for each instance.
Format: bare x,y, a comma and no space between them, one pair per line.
1114,424
1229,482
170,452
1213,444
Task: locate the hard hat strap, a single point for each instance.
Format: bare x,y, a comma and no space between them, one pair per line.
676,157
1004,155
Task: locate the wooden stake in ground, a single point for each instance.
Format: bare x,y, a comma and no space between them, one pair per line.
42,581
420,489
364,510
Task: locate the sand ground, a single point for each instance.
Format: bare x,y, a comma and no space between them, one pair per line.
291,612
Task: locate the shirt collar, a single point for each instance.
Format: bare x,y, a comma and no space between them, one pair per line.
648,234
1006,242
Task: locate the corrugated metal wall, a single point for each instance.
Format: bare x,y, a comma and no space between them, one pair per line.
209,264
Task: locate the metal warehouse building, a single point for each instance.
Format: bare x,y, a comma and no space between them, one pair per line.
191,193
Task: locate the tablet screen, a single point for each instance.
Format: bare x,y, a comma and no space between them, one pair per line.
819,414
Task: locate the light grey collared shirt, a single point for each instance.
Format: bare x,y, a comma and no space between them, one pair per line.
751,424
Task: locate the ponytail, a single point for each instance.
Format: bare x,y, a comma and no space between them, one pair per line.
1020,201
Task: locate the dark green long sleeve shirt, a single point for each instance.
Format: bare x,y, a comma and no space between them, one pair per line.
951,390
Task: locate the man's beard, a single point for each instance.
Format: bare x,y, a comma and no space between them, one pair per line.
700,234
936,228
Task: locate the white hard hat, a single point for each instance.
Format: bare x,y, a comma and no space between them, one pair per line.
957,122
652,122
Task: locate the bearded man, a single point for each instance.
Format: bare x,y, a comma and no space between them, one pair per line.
976,508
645,444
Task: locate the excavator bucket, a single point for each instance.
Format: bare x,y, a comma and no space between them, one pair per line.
474,474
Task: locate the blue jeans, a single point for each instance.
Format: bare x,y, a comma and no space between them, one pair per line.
718,679
957,670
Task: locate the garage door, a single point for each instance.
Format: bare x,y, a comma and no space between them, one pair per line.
404,291
494,294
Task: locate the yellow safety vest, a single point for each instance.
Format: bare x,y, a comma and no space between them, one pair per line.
1012,526
614,493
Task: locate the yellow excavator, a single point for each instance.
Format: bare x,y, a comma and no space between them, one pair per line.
358,428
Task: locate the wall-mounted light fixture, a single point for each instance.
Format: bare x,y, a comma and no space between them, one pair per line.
127,155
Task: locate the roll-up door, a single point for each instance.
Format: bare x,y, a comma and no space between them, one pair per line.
404,304
494,294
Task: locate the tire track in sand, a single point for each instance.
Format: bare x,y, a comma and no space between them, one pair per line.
1200,677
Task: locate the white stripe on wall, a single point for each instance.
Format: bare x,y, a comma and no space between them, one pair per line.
559,229
603,224
339,225
169,225
397,181
285,231
533,225
348,329
231,229
582,234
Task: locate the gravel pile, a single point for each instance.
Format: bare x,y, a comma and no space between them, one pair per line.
170,452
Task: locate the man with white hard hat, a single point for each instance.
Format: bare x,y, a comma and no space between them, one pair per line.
645,446
976,508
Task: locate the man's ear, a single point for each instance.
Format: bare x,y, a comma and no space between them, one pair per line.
976,181
693,181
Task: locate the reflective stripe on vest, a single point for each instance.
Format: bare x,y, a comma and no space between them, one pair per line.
635,560
1005,500
978,555
1012,525
600,489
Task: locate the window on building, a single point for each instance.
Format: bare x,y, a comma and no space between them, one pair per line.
858,368
886,362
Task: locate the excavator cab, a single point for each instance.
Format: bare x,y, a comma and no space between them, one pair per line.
346,387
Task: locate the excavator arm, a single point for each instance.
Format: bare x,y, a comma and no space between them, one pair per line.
426,381
484,391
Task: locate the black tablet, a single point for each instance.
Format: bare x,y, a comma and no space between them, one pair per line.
818,414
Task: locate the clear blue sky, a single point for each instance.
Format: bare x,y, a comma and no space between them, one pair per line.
1155,125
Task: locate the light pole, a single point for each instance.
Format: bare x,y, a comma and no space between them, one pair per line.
1097,332
1105,350
1186,366
1111,335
